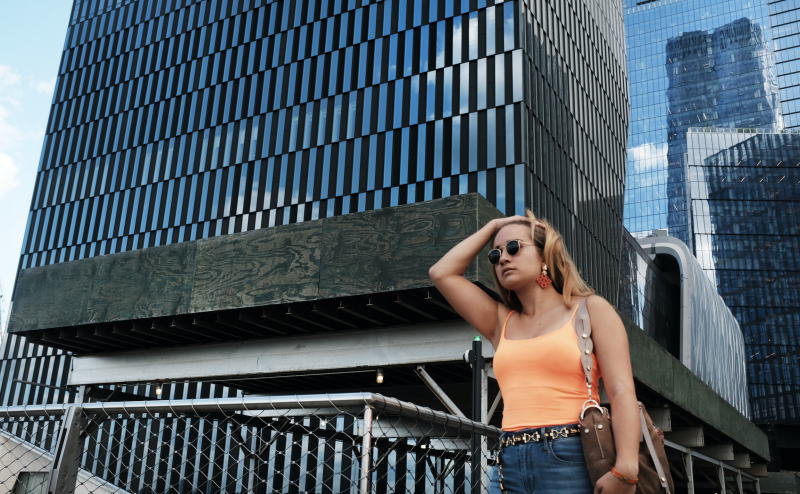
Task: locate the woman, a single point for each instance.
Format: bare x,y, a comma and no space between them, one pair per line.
537,359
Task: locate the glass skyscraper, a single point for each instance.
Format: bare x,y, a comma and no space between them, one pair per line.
746,206
178,120
711,91
691,64
784,17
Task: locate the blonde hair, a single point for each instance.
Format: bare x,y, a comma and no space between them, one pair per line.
560,266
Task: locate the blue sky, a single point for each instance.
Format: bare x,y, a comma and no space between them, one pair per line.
31,40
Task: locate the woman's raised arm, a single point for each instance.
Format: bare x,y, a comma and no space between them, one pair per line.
472,303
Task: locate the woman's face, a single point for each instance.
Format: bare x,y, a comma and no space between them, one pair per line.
520,270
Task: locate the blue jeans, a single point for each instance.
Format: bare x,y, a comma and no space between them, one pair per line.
545,467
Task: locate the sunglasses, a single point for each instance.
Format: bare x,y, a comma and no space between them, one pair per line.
512,247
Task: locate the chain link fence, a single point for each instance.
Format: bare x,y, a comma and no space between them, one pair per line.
323,444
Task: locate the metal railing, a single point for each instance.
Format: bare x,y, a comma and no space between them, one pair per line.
323,444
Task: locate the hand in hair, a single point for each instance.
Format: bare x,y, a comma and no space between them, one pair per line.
480,310
501,222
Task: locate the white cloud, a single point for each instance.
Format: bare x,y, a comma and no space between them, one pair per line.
8,76
8,174
649,157
46,87
10,134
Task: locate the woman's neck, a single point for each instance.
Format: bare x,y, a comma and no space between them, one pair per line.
536,300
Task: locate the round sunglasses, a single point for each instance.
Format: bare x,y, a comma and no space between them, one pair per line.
512,247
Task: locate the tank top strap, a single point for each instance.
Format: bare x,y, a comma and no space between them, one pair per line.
503,335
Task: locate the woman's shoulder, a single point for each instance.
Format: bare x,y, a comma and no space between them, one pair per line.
601,309
597,302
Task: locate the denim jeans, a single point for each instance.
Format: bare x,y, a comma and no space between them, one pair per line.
545,467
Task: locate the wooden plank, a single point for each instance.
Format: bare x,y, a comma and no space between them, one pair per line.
264,267
392,249
52,296
143,283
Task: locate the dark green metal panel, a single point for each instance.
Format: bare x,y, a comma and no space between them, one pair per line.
47,298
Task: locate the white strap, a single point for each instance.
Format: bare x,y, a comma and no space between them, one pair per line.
647,439
583,330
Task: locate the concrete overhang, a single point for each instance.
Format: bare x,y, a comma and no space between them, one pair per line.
358,271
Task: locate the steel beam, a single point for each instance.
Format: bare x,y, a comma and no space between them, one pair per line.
399,345
438,391
689,465
722,452
690,437
661,417
64,470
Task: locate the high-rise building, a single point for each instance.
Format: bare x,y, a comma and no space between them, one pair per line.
179,120
785,28
690,64
727,67
745,191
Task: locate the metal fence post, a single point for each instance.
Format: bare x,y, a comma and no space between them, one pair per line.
64,471
477,402
366,451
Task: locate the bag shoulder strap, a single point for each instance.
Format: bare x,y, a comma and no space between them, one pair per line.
662,478
583,329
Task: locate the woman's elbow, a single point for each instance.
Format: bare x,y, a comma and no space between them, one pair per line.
435,272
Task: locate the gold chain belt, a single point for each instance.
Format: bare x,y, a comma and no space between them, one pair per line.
537,436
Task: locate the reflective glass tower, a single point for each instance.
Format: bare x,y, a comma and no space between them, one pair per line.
784,17
746,205
707,63
713,86
176,120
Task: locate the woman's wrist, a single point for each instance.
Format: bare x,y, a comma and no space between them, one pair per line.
628,468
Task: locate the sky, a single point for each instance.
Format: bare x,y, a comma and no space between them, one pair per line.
31,40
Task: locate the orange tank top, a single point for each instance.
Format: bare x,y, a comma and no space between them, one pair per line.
542,379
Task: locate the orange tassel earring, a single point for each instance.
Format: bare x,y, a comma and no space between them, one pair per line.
544,280
509,295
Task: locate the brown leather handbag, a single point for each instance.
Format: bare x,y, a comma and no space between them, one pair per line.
597,435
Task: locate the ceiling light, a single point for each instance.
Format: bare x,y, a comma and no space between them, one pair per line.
379,376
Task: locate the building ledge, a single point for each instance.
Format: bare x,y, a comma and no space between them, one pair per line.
357,271
673,383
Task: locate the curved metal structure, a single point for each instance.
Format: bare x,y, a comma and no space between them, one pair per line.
712,345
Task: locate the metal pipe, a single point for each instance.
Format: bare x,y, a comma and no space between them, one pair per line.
256,403
366,451
439,392
477,402
495,404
